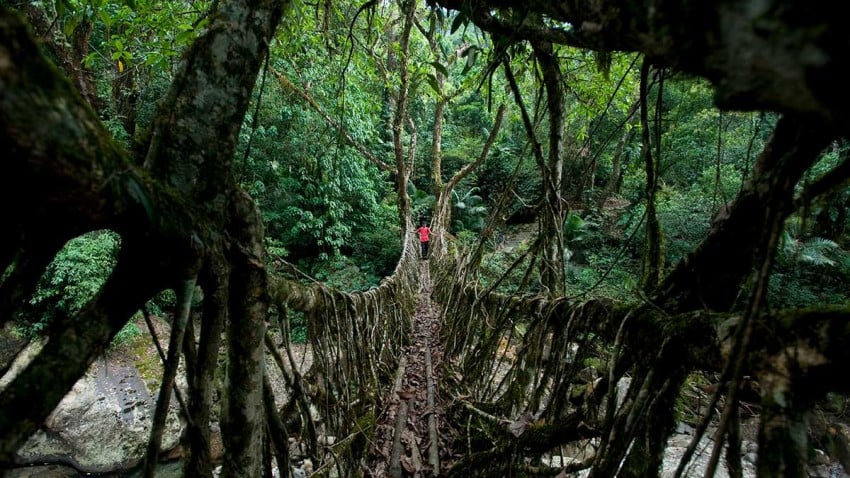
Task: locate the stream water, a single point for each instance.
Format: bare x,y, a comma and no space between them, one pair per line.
164,470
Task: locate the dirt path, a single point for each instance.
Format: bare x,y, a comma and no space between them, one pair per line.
409,442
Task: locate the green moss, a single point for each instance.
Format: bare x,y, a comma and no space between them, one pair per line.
147,361
367,424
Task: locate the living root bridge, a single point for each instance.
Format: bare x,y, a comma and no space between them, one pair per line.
536,374
356,340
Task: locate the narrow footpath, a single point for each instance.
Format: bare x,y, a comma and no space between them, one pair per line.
409,442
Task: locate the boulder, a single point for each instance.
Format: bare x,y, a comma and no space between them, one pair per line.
103,424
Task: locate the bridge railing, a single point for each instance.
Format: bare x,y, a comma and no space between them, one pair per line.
356,340
546,381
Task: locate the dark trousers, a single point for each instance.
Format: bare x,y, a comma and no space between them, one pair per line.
424,249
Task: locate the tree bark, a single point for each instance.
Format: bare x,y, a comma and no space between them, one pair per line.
554,208
214,281
653,257
242,423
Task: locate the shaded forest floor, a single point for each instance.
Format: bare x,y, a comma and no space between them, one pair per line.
412,438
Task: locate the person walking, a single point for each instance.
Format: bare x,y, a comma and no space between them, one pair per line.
424,237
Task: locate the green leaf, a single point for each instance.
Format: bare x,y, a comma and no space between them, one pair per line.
105,17
185,36
439,67
89,60
71,25
445,51
432,80
459,20
62,6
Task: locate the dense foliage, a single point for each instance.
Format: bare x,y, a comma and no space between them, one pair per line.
330,210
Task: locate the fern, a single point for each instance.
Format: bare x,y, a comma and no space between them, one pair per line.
817,251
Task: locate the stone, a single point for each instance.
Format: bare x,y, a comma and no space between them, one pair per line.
819,471
676,446
684,429
103,424
49,471
837,471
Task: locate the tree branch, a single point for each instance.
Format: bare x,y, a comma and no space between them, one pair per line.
835,178
756,58
184,296
710,276
75,343
287,84
491,139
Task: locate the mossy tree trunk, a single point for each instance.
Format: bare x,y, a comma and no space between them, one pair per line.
403,158
553,209
711,275
215,281
653,257
183,211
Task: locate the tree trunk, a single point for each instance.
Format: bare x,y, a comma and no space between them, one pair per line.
783,443
242,423
214,281
437,138
165,229
70,54
75,343
443,209
653,257
399,114
614,181
554,209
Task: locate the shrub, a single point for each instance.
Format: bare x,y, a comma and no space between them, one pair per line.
76,274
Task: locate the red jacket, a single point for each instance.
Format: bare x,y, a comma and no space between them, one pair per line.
424,232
